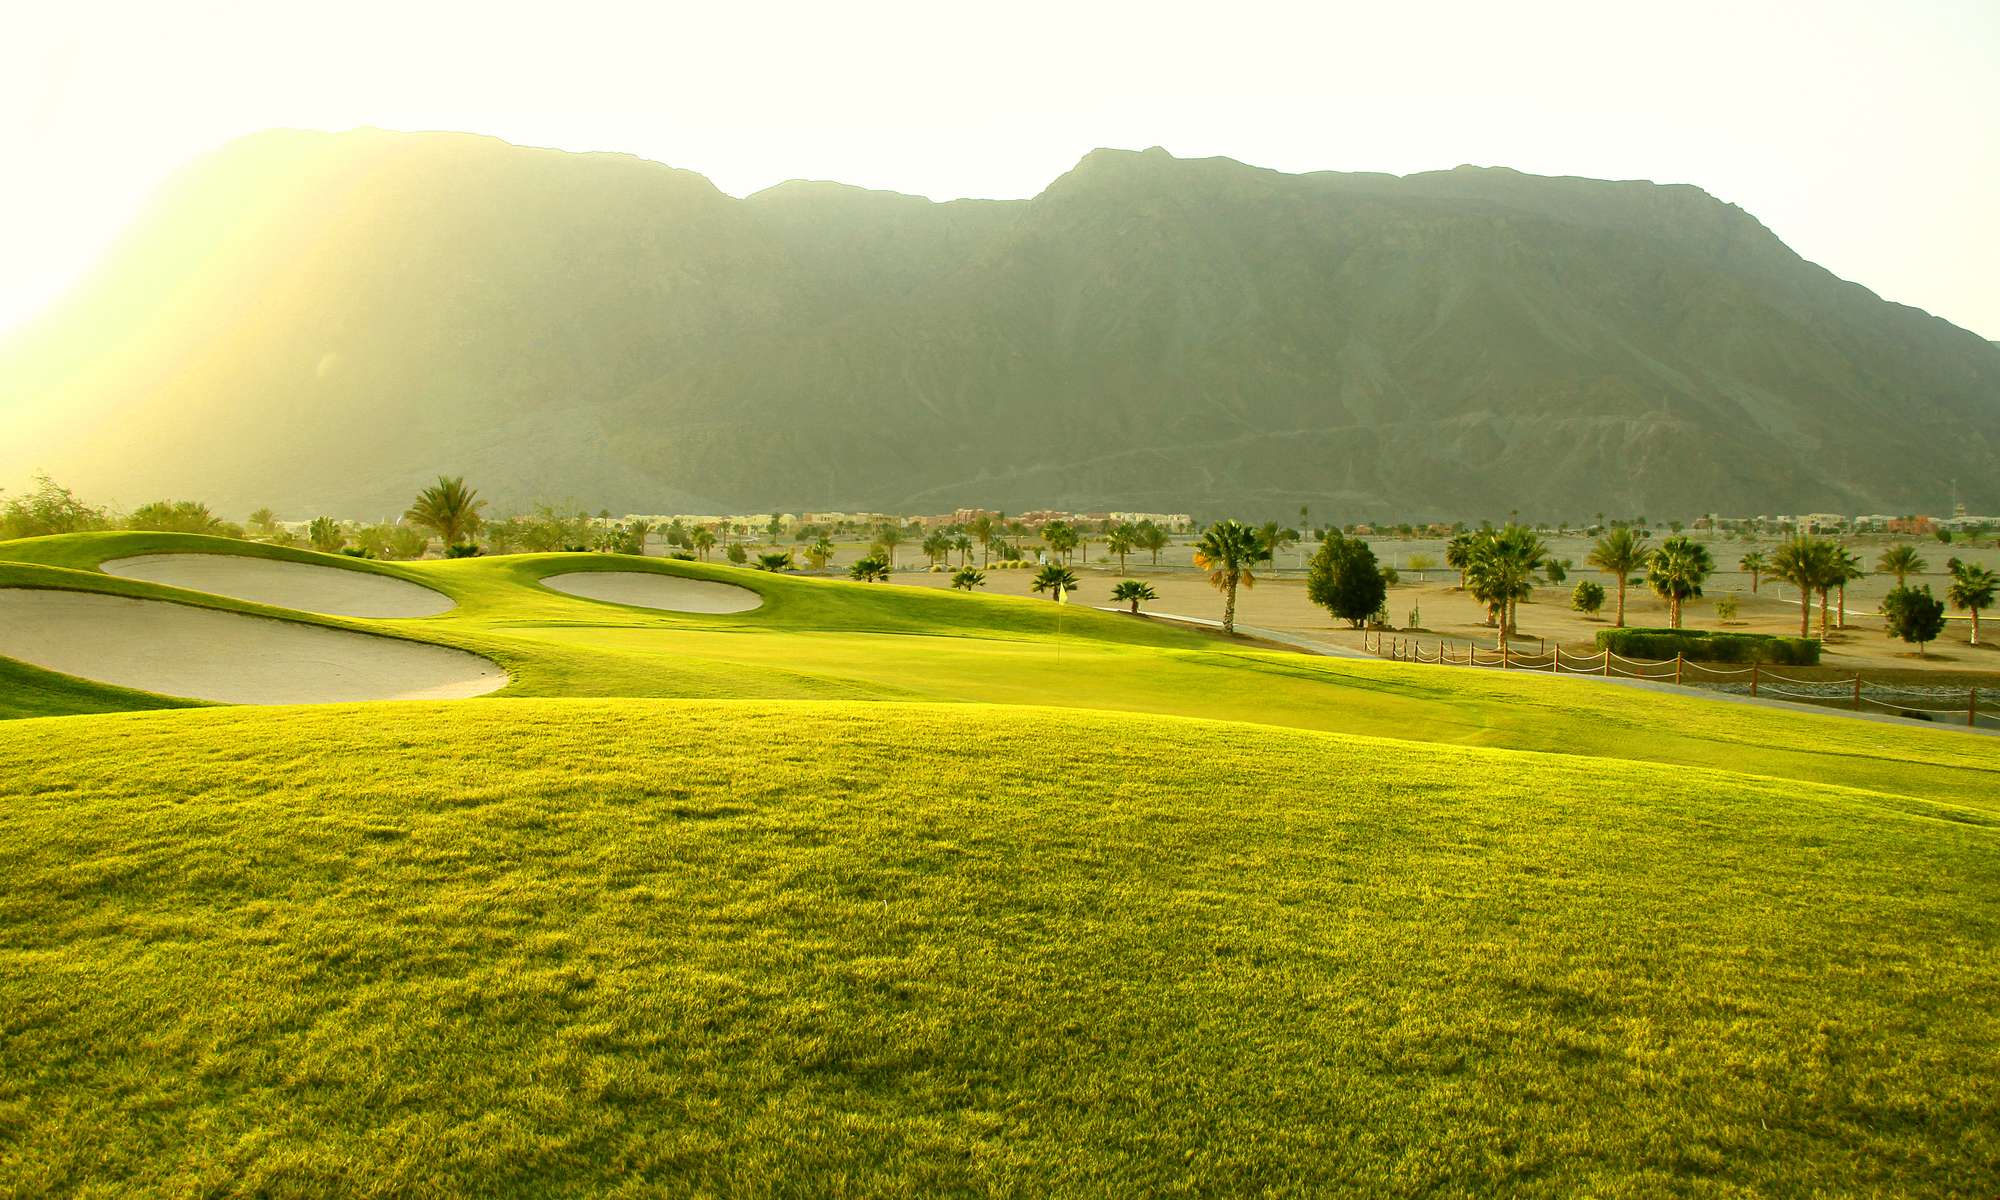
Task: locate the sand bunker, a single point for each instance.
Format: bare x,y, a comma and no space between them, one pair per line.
642,589
206,654
303,586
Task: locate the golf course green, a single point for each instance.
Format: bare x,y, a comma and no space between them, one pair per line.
871,890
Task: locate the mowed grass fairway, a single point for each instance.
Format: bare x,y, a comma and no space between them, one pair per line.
865,892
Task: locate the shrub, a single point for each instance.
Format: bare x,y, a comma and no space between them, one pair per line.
1725,606
1913,614
356,552
1700,645
1587,597
463,550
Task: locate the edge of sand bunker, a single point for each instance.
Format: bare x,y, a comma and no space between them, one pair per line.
646,589
208,654
306,587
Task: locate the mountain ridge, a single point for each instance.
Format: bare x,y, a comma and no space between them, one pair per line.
321,321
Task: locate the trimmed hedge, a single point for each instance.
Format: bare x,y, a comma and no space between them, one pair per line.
1699,645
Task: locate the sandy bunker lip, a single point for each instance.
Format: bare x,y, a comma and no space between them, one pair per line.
207,654
643,589
303,586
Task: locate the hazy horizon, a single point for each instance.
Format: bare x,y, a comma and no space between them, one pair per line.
1863,137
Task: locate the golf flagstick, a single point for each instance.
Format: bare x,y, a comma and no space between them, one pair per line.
1062,602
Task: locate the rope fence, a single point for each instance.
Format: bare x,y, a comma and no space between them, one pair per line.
1952,703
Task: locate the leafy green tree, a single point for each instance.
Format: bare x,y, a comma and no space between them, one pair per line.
1587,597
870,568
326,535
737,553
407,541
1913,615
1058,581
1619,553
372,541
1676,571
1756,565
1151,538
49,509
1901,561
967,578
1972,588
1228,550
1556,571
174,516
1808,564
1133,591
448,508
1344,578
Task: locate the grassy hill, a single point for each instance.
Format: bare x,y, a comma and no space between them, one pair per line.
322,322
572,947
885,891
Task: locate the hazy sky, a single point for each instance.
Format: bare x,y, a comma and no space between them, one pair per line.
1866,134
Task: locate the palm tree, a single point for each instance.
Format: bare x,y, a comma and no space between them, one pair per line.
704,541
1053,578
449,508
1619,553
1458,555
326,534
265,520
1676,571
1972,588
888,537
1847,569
962,544
936,546
1804,562
1501,570
1754,563
1061,538
1151,537
967,578
871,568
775,560
1275,538
820,551
984,528
1120,541
1900,561
1132,591
1227,550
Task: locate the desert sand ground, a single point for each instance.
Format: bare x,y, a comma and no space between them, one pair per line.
666,592
299,586
1278,601
207,654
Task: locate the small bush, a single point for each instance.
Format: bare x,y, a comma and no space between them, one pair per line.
462,550
1699,645
356,552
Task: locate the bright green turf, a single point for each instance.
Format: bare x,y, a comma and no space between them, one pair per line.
844,945
568,947
832,640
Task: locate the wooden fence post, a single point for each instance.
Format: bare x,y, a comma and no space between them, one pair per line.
1504,664
1753,677
1677,668
1857,693
1607,662
1972,709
